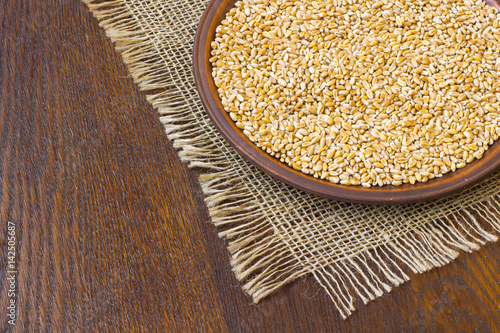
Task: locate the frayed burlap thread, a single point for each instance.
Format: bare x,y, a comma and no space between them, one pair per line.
276,233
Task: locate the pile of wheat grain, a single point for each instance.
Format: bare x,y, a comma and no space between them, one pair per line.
363,92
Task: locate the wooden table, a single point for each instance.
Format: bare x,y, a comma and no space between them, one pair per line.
111,229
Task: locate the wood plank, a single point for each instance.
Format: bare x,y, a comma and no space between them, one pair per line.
112,231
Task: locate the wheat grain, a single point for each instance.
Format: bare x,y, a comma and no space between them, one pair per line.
362,92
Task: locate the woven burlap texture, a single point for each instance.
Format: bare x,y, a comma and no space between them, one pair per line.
276,233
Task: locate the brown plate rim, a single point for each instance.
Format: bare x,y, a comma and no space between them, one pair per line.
450,183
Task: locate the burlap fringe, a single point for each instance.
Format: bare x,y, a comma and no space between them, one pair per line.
259,256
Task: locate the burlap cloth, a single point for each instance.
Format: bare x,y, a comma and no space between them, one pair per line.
276,233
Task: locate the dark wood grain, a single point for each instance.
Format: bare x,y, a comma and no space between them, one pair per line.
450,183
113,234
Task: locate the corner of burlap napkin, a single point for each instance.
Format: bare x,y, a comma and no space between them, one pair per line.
277,233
